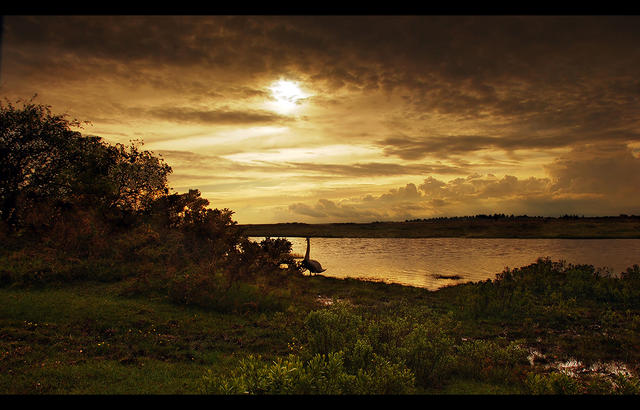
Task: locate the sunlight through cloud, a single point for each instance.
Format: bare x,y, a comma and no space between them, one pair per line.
287,95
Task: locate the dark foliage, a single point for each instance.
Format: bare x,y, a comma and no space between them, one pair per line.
74,207
556,289
48,169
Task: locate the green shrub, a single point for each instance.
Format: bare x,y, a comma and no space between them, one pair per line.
553,383
426,348
623,384
214,291
555,290
429,353
322,374
387,335
382,376
560,383
331,330
486,359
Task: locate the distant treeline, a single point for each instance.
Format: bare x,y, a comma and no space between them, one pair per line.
504,216
478,226
475,217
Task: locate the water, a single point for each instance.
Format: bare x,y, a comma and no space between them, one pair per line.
418,261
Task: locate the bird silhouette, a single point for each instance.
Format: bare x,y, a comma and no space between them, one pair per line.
310,264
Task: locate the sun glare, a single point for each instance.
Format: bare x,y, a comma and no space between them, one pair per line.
287,95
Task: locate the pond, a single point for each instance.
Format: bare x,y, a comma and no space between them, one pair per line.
431,262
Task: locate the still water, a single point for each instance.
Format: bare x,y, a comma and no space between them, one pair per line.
418,261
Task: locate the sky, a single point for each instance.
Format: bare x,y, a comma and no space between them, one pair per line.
323,119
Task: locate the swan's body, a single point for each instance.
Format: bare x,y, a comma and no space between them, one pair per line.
310,264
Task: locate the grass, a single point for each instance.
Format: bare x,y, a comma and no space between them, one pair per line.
71,331
97,338
109,377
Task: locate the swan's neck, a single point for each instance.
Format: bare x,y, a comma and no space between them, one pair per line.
306,256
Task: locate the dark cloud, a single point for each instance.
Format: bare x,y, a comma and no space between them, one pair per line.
376,169
412,147
191,115
562,69
411,50
304,209
325,208
176,40
604,170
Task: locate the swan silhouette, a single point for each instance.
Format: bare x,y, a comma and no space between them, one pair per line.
312,265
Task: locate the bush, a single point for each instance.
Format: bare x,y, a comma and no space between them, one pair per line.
348,352
427,347
555,290
383,376
486,359
553,383
214,291
331,330
47,167
322,374
429,353
623,384
560,383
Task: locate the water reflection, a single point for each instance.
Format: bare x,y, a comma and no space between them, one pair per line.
419,261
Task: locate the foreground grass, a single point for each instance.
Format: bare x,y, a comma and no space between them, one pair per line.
86,339
99,338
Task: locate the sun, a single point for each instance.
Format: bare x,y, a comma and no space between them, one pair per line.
286,95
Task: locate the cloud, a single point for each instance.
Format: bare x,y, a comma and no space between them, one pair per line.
361,51
604,170
304,209
587,180
408,193
374,169
491,187
534,73
413,148
593,179
327,209
467,90
199,116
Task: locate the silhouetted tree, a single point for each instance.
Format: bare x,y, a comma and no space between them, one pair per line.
136,177
45,164
34,147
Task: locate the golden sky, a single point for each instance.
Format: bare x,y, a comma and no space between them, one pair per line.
355,118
